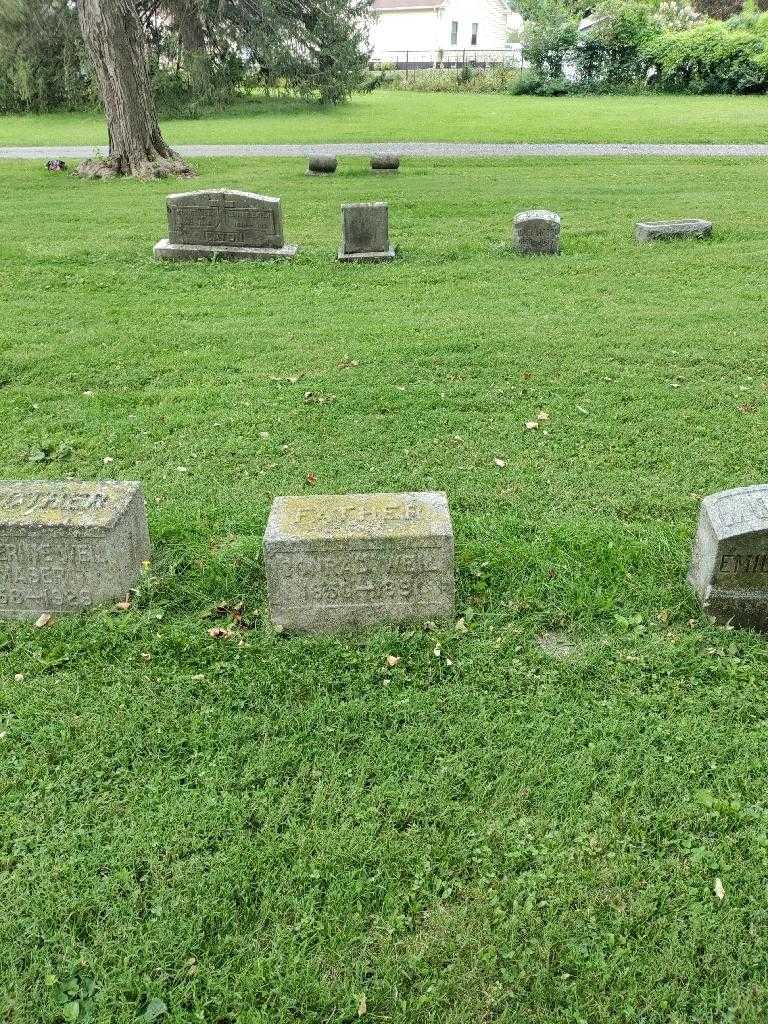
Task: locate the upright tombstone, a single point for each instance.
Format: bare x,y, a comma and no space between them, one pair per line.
223,224
67,545
339,561
385,163
668,230
322,165
365,233
729,566
537,232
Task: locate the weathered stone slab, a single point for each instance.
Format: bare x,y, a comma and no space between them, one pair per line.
537,232
365,233
340,561
667,230
322,165
67,545
729,565
223,224
386,162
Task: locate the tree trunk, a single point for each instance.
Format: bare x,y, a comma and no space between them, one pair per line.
113,37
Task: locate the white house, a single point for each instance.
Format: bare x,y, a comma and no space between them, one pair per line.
426,29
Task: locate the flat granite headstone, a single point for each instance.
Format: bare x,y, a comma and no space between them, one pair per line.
385,162
66,545
365,233
338,561
729,565
537,232
666,230
322,165
223,224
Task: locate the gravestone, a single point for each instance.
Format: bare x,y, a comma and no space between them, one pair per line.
365,233
537,232
67,545
322,165
340,561
666,230
223,224
386,163
729,566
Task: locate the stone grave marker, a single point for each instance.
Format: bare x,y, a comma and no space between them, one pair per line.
667,230
341,561
322,165
537,232
729,565
365,233
223,224
67,545
385,163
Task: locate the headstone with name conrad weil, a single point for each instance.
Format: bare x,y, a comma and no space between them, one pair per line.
667,230
537,232
223,224
365,233
340,561
729,567
67,545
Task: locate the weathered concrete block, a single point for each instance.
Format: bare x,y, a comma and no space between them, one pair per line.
537,232
385,162
365,233
339,561
729,565
322,165
223,224
666,230
67,545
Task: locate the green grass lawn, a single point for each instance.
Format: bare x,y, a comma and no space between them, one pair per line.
405,116
267,830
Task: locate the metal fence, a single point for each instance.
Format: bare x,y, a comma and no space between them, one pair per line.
451,60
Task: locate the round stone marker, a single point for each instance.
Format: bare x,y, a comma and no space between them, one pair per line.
322,165
537,232
385,162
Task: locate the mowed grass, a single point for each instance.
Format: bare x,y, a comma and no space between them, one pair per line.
385,116
278,829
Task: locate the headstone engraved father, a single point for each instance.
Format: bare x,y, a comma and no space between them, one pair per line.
537,232
67,545
339,561
223,224
729,567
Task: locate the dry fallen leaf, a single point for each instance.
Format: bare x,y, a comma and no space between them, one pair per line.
532,425
108,460
362,1006
123,606
392,660
19,677
44,619
219,633
311,479
145,656
542,416
719,890
747,407
500,463
461,625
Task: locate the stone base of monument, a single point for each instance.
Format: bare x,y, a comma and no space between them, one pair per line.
366,257
729,564
338,562
667,230
68,545
174,251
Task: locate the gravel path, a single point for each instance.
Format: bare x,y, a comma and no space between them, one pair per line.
418,149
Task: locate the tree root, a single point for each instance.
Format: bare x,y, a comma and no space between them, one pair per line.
144,169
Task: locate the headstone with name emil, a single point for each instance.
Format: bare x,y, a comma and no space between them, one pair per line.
67,545
537,232
223,224
668,230
341,561
365,233
729,565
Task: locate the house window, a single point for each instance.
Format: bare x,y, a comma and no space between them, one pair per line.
474,33
454,33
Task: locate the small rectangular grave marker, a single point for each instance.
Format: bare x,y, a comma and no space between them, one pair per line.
666,230
729,565
537,232
339,561
67,545
365,233
223,224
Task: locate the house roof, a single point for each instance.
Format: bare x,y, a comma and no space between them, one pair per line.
406,5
